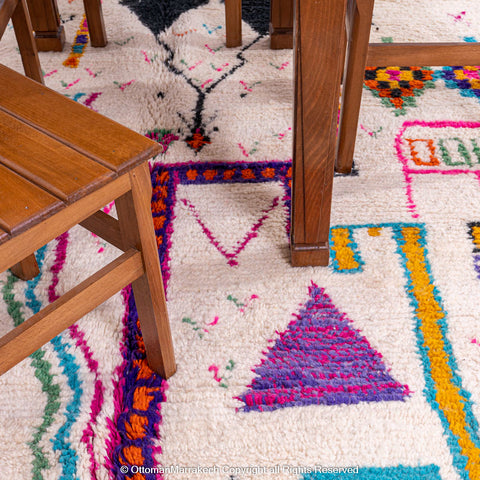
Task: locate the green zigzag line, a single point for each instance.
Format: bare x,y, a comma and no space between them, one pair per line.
42,372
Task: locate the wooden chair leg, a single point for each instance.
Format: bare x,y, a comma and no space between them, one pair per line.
136,225
360,23
22,26
49,32
26,269
315,126
281,24
96,26
233,22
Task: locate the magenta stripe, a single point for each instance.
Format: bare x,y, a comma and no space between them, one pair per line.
79,337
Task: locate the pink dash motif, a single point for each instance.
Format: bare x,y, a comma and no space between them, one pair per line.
281,136
196,65
459,17
50,73
207,82
231,256
123,86
70,85
91,73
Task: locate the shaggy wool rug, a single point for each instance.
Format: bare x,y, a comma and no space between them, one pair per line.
366,369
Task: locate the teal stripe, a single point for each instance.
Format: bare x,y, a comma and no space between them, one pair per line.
428,472
68,457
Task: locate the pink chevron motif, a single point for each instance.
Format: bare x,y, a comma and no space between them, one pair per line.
232,255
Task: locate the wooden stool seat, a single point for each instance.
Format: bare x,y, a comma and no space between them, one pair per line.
60,163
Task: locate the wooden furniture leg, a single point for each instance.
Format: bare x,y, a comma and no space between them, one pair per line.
49,33
359,20
23,29
26,269
136,225
281,24
96,26
233,22
319,53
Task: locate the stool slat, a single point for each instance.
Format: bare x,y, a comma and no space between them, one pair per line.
23,203
121,150
3,236
48,163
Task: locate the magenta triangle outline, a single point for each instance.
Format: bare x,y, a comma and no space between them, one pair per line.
320,359
252,233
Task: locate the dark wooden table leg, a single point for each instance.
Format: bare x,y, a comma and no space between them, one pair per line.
281,24
319,35
359,21
49,32
233,22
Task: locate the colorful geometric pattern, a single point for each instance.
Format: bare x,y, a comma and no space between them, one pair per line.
320,360
397,87
87,406
139,393
78,46
466,79
439,147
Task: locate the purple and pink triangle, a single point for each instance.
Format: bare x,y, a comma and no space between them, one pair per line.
320,359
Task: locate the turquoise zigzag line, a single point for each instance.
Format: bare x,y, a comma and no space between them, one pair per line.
68,456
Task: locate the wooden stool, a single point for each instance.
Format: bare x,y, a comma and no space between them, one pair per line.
362,53
17,11
83,161
281,23
49,32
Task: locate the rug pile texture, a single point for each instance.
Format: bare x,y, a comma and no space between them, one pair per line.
367,369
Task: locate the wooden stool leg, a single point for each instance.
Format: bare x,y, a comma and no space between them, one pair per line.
136,224
233,22
360,24
96,26
26,269
281,24
22,26
49,33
